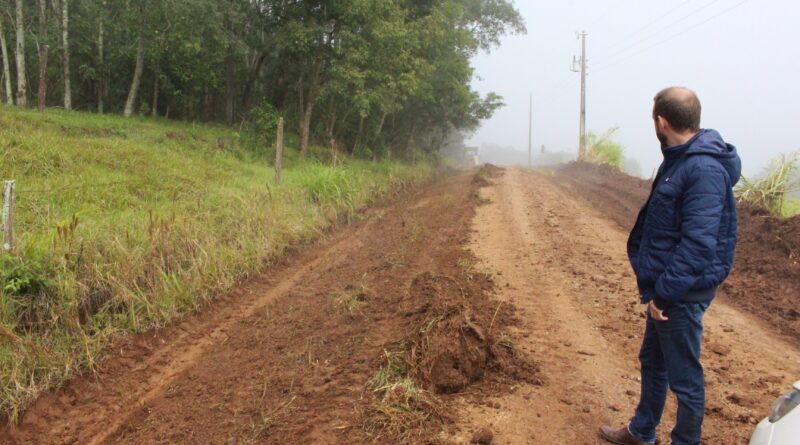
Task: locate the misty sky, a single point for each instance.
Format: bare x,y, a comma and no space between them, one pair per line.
739,56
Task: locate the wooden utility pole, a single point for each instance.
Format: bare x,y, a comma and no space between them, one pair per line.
8,216
530,130
582,70
279,152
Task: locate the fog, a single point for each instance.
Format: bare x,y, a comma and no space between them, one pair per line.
739,56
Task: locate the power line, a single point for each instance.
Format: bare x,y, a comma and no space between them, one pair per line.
685,30
642,28
664,28
601,17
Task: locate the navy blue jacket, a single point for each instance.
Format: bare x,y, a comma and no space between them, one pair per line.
683,243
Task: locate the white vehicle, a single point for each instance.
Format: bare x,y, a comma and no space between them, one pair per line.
782,427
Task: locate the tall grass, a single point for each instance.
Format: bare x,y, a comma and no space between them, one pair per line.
604,150
772,189
123,225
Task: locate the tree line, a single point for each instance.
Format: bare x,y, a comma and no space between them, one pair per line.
371,75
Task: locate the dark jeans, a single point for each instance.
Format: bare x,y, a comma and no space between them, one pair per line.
670,356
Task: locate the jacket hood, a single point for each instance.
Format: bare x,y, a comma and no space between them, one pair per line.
710,143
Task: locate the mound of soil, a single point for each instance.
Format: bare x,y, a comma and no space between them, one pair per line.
618,195
487,171
453,335
766,277
455,341
451,351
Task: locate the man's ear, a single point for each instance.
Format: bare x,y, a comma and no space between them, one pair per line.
662,123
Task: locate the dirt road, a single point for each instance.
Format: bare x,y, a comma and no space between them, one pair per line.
498,305
563,264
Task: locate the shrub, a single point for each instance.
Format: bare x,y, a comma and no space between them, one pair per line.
262,127
604,150
771,190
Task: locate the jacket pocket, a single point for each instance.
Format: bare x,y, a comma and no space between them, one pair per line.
664,211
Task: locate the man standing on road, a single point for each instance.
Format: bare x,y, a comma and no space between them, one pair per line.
681,250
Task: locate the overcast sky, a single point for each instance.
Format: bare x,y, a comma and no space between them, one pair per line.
741,57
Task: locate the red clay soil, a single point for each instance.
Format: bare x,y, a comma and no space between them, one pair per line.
317,350
766,276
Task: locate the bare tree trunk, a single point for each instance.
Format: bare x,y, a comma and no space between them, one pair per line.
229,86
65,39
332,120
360,133
251,79
101,62
381,124
22,80
43,77
6,65
309,108
155,95
44,49
137,78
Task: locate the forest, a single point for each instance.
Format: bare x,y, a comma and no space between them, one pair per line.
370,77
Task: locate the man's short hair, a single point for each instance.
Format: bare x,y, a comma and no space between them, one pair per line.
680,107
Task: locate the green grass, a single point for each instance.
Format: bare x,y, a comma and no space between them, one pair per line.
124,224
791,207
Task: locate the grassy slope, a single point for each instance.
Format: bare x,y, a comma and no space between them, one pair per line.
124,224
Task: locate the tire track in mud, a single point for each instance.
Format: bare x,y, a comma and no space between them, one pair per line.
282,360
563,264
147,365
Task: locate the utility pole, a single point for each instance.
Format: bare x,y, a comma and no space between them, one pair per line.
582,70
530,130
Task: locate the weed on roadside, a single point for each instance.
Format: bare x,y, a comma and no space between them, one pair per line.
400,405
348,301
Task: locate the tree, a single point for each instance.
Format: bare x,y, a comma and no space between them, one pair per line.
6,63
137,77
376,76
101,76
44,49
22,81
65,43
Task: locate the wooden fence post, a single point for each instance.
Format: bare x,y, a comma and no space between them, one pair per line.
279,152
8,216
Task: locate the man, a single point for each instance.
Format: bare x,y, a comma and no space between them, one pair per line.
681,249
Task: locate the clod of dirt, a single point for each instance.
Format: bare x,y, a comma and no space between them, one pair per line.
452,351
450,347
480,180
483,436
492,170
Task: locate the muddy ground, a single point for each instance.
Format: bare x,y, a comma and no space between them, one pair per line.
766,276
359,338
489,308
561,261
